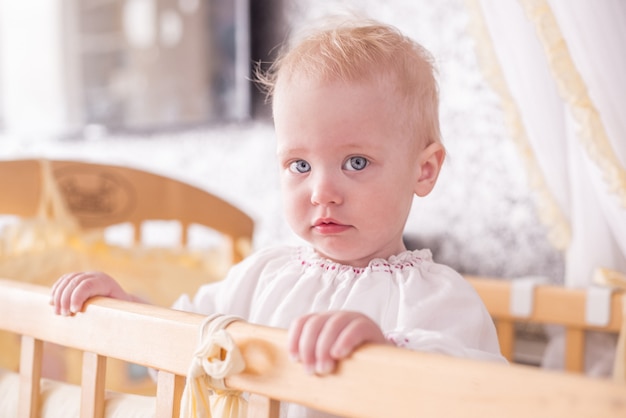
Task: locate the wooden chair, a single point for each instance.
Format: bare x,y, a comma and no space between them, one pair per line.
101,195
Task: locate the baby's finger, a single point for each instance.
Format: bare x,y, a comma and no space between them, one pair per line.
67,297
333,327
308,340
357,332
293,337
80,289
58,290
59,284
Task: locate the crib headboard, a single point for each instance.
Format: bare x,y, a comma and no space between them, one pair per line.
376,381
100,195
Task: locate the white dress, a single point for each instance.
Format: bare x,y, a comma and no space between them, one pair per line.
419,304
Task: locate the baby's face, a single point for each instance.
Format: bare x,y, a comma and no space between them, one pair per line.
348,169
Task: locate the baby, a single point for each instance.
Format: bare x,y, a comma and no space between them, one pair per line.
355,108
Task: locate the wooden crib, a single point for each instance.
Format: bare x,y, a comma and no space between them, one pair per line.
376,381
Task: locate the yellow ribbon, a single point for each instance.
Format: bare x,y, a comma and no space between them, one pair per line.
216,358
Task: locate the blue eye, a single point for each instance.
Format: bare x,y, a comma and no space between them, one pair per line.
299,166
356,163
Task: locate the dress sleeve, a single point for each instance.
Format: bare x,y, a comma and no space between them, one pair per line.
235,293
449,318
231,295
443,343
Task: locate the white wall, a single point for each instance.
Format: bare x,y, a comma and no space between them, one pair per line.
38,69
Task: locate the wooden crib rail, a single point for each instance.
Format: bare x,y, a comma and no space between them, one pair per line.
554,305
376,381
100,195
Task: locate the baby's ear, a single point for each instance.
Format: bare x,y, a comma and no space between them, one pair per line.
430,160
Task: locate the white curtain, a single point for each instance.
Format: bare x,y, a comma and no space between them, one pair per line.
560,69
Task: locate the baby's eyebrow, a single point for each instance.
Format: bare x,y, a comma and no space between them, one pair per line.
287,152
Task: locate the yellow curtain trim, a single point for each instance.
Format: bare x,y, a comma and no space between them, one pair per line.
592,133
548,209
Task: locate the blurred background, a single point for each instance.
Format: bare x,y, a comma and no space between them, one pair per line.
165,86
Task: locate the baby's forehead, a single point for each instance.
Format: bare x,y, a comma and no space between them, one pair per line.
296,82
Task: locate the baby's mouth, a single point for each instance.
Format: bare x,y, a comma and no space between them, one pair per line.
329,226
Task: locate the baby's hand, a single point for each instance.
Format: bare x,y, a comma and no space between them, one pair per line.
320,340
72,290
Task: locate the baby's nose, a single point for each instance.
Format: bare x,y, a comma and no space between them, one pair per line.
325,190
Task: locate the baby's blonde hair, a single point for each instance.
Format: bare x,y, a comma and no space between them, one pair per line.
355,50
